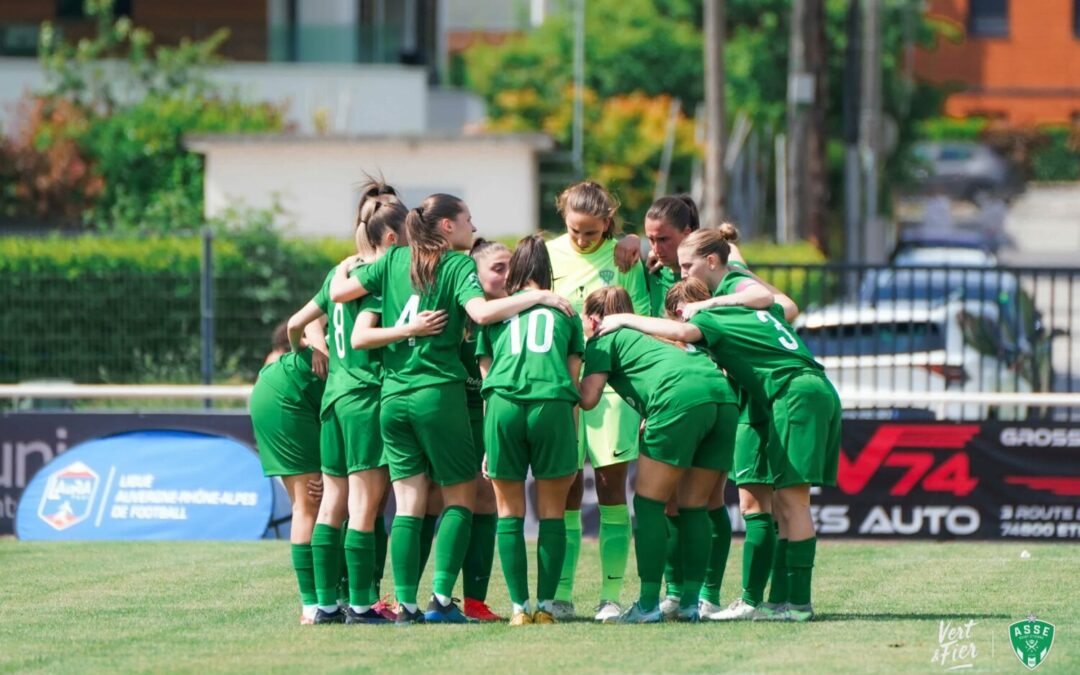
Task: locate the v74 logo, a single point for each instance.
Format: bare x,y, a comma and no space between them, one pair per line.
952,475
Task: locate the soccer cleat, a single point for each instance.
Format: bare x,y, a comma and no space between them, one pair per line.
388,611
439,613
740,610
336,616
521,619
705,608
306,620
609,612
688,614
669,607
353,617
544,618
769,611
635,614
799,613
478,609
563,610
406,618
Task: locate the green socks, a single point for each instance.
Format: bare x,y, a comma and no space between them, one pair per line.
427,536
800,565
615,549
405,556
673,572
550,552
360,559
450,549
565,591
778,588
510,536
696,545
476,570
721,546
326,557
650,544
305,573
757,556
380,556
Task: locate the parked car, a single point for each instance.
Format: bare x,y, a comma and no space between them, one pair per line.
1019,319
959,345
964,170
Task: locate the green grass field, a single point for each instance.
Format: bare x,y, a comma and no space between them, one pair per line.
140,607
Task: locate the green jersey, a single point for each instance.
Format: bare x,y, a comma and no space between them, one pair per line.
730,283
749,411
293,379
472,369
420,362
660,282
350,369
528,355
757,348
578,274
655,377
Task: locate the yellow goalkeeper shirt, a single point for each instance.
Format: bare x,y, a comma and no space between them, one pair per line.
578,274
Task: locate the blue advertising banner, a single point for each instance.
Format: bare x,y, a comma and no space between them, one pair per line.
148,485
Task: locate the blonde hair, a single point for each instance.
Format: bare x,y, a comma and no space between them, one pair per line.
608,300
712,242
591,199
682,292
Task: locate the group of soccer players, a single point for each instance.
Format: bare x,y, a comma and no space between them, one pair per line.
448,368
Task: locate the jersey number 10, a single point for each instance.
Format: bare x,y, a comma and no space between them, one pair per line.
534,342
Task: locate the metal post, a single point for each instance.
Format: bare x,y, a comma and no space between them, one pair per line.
206,308
669,149
714,113
853,250
870,129
578,150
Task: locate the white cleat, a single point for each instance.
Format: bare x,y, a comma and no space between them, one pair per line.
736,611
608,612
705,608
669,607
768,611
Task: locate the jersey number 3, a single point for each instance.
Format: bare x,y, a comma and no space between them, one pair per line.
787,340
534,342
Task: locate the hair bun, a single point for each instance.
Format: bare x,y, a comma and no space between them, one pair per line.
729,232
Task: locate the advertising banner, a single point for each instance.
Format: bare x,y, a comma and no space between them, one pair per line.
157,485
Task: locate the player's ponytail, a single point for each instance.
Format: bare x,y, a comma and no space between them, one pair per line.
530,263
608,300
427,242
704,243
678,211
374,193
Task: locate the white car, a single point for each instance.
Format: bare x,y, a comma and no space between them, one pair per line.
960,346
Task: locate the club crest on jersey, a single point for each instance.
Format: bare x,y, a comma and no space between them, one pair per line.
69,496
607,276
474,279
1031,640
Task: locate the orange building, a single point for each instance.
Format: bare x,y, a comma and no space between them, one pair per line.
1018,61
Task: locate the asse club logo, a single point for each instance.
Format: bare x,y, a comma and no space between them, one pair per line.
1031,640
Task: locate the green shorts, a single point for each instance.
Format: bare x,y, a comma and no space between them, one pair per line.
523,434
806,430
286,432
751,454
350,438
427,431
608,433
701,437
476,423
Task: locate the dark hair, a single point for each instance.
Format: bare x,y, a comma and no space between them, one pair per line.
591,199
279,339
374,194
481,246
608,300
384,216
530,262
684,291
427,243
678,211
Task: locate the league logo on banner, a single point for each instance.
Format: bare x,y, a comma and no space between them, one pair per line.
69,496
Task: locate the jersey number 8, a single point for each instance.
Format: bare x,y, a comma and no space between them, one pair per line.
339,330
787,340
534,342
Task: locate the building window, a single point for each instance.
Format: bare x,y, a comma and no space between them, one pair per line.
73,9
1076,18
988,18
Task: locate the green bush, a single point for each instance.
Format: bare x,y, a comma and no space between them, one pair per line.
1058,158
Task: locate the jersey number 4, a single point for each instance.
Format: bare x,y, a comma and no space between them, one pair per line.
787,340
534,341
408,315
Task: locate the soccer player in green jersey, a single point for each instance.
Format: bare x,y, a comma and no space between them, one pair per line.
530,364
690,416
284,408
424,415
708,257
762,354
583,260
